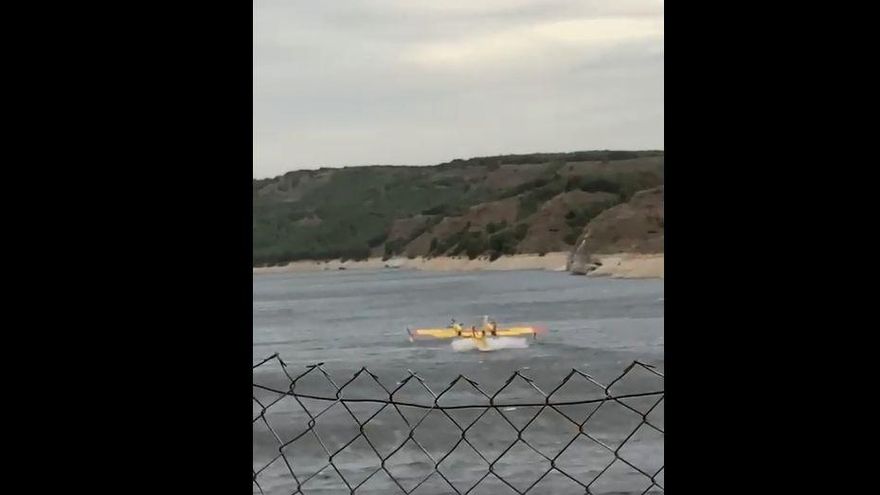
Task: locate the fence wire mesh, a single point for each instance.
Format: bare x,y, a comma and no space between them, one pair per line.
363,436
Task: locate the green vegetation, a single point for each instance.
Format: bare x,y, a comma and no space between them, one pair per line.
394,247
530,201
578,219
624,183
441,247
491,227
347,212
577,156
356,207
503,242
377,240
472,244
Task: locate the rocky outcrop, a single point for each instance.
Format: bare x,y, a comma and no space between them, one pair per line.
632,227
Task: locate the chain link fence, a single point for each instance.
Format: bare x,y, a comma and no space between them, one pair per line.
317,434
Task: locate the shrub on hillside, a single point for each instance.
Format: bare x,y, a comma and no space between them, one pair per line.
378,239
504,242
475,245
599,184
394,247
583,216
492,227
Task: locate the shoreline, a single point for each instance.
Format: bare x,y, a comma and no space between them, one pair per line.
624,265
629,265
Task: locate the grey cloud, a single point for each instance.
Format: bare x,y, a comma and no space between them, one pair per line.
406,82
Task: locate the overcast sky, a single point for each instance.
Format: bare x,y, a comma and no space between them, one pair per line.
357,82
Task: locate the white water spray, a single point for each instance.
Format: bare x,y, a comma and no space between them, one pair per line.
494,344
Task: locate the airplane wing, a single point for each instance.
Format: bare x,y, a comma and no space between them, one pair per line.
437,333
512,331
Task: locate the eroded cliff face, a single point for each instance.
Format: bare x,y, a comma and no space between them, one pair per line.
632,227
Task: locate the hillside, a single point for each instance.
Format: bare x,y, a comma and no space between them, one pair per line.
487,206
632,227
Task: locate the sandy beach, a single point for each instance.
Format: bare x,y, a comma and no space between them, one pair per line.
618,265
630,266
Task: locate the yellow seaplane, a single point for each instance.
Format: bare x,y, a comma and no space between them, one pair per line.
481,337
